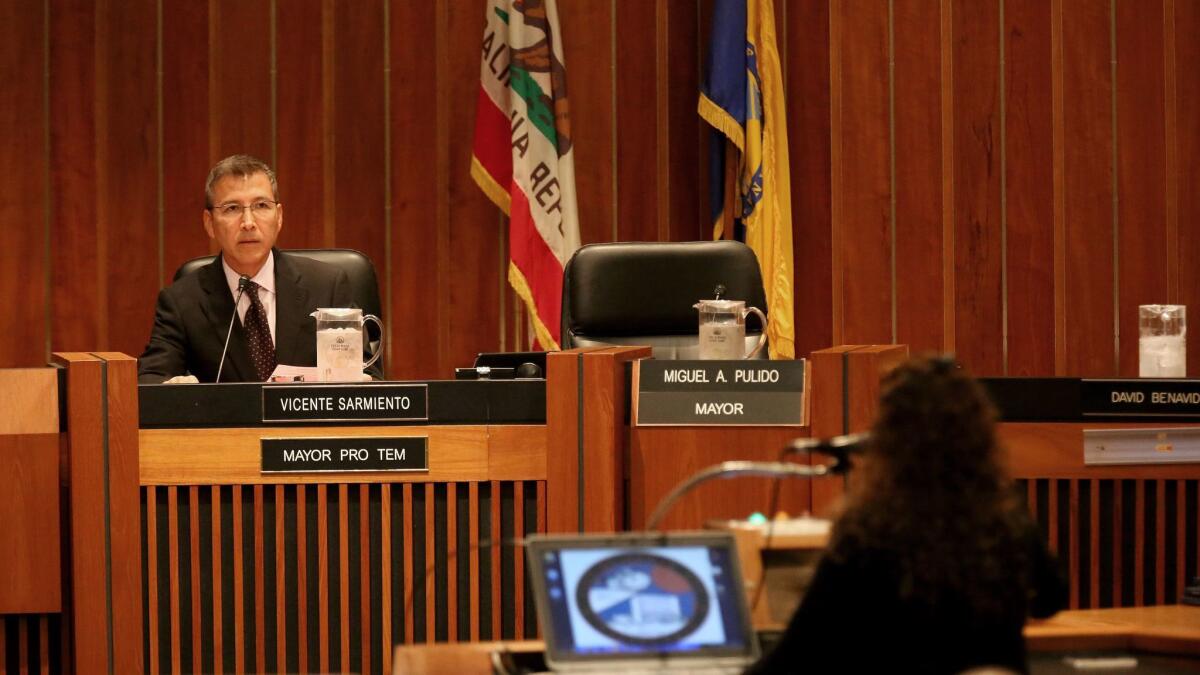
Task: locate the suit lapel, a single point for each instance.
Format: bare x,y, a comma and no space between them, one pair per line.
291,313
218,308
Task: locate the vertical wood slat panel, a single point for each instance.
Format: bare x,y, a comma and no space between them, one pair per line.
1139,545
473,540
281,558
239,601
861,186
978,296
917,175
1180,534
301,121
636,144
1052,516
385,581
302,576
1186,112
408,564
323,575
1094,544
344,573
218,619
1144,249
1088,188
173,558
428,574
1118,548
808,77
494,519
23,162
260,591
1160,542
240,93
1029,194
541,515
23,645
683,124
152,577
1073,543
44,643
451,563
519,559
194,566
364,571
415,256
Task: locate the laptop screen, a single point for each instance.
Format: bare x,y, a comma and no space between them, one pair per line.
640,597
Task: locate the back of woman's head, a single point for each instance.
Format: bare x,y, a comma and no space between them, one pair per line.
930,494
935,430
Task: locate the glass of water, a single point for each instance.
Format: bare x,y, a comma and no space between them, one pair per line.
1162,341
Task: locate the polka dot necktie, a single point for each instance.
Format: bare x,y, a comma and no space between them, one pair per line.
258,333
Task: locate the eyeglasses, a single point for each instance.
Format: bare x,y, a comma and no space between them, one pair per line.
262,209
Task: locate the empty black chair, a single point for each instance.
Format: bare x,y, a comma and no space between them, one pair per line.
364,285
642,293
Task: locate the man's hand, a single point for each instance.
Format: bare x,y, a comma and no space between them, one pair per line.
183,379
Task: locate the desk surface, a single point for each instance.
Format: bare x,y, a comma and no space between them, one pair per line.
1172,629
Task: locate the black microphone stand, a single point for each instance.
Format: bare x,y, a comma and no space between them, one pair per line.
243,284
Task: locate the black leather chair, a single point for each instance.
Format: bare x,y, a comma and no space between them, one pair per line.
364,285
642,293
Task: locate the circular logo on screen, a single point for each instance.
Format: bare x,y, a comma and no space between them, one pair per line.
642,598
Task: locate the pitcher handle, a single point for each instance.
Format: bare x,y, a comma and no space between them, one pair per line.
762,339
378,352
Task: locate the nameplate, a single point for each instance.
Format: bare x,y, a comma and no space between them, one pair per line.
345,403
346,454
1140,398
734,393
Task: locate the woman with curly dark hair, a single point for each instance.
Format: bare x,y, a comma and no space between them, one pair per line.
933,565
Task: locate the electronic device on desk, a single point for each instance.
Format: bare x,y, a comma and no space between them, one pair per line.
640,602
505,366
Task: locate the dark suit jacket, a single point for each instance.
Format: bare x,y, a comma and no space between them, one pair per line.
193,315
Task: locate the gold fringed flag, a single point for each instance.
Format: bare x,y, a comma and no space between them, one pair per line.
742,99
522,154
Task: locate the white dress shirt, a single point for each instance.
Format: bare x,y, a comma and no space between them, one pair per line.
266,290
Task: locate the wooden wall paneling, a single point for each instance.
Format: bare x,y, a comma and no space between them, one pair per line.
31,569
862,228
636,144
301,122
472,266
1185,144
686,177
918,174
124,511
413,272
85,474
77,320
1087,142
587,38
1144,249
127,160
24,209
1029,186
186,152
978,229
805,54
241,89
359,163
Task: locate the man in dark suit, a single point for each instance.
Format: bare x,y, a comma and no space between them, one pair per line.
243,215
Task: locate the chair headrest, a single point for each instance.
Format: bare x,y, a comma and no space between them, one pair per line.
649,288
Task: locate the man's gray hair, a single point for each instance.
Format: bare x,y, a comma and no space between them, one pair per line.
242,166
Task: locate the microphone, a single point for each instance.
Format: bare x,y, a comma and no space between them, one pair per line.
838,447
243,284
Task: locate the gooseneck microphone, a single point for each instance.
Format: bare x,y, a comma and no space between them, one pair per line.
838,447
243,285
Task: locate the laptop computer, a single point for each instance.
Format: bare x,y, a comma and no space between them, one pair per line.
641,601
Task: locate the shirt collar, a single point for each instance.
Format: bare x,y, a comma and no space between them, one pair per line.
265,277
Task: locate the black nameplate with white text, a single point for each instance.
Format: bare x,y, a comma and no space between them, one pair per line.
345,454
345,402
720,393
1147,397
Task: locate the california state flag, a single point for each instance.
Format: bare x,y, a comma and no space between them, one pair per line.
522,156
